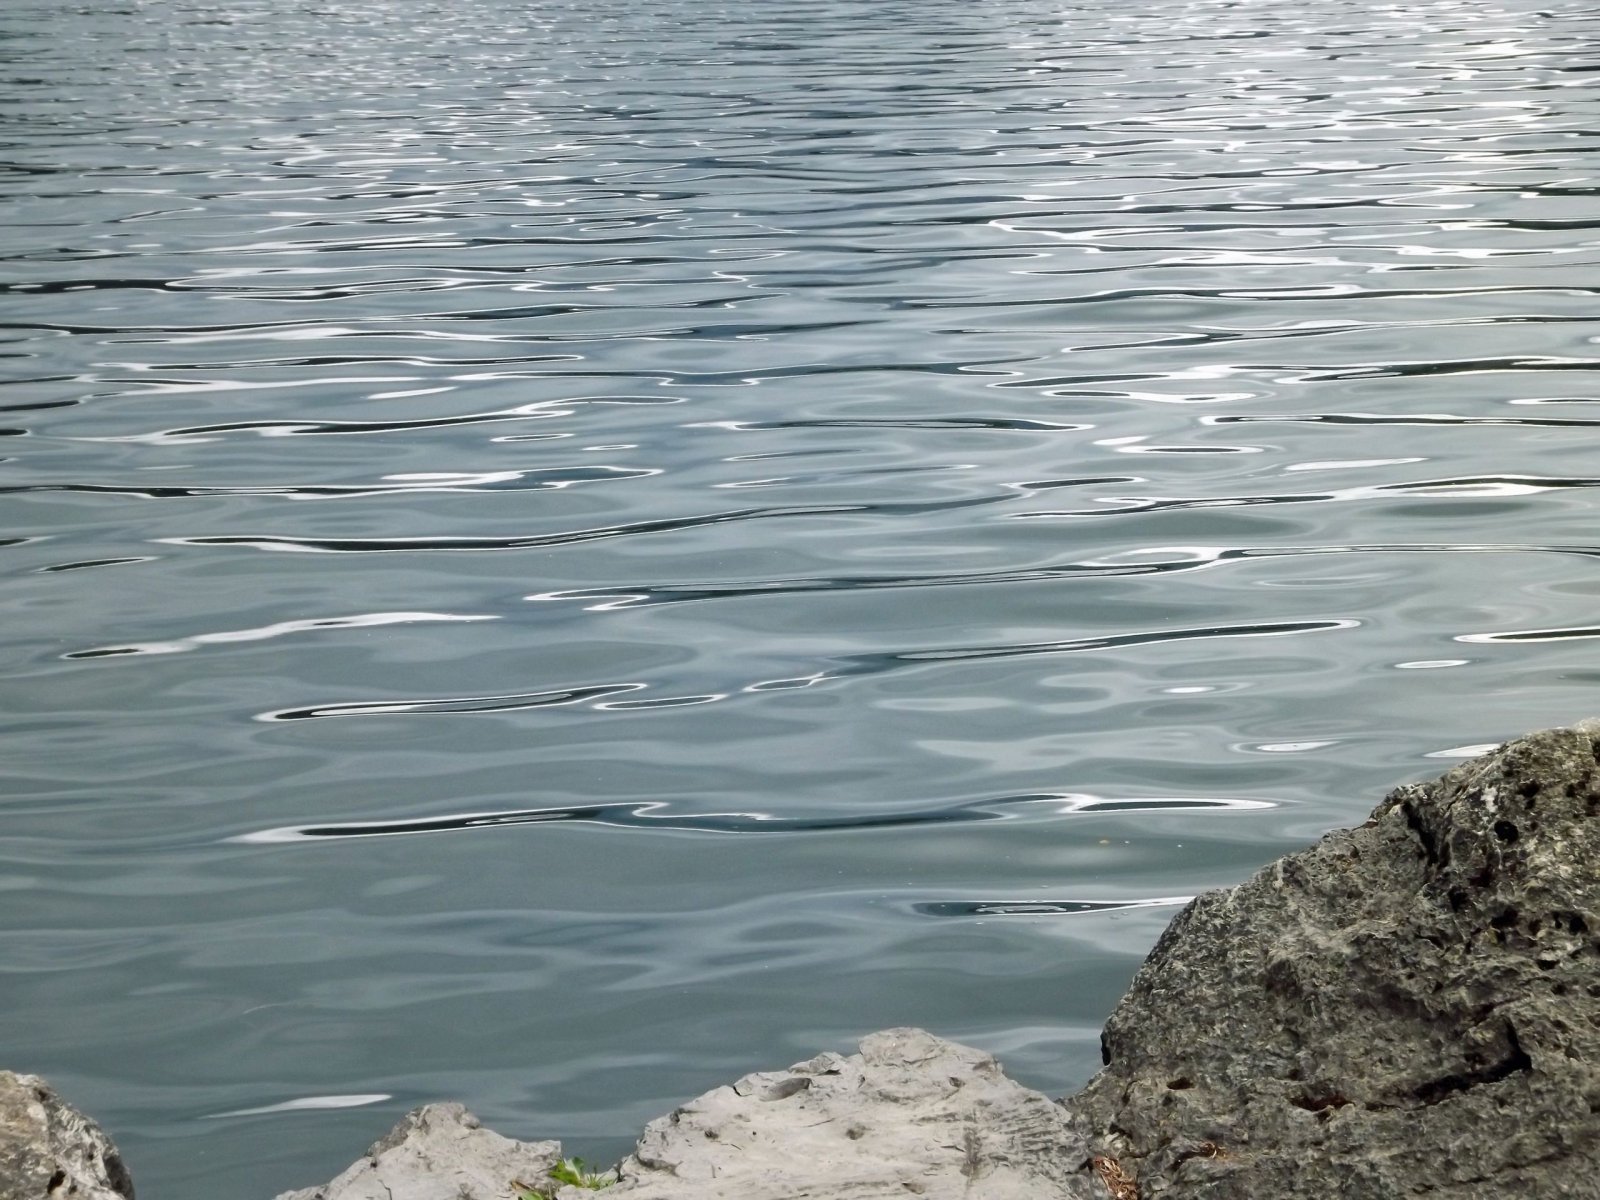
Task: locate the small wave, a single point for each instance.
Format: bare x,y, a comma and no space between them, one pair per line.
1463,487
276,630
305,1104
1152,560
845,667
1038,908
663,816
565,537
1407,419
1570,634
538,479
544,410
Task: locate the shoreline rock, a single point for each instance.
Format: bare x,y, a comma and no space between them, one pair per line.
48,1148
1412,1002
910,1115
438,1150
1411,1007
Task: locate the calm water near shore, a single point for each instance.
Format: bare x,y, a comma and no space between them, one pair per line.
557,553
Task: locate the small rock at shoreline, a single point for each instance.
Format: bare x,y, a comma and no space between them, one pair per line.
438,1152
49,1149
911,1115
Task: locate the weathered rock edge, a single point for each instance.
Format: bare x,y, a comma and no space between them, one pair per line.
439,1152
1410,1008
49,1149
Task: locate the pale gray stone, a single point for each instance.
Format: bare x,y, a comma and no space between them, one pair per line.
912,1115
49,1149
438,1152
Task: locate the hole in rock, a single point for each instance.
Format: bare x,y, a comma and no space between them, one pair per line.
1506,918
1320,1102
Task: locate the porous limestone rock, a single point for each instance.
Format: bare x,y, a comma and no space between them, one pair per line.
49,1149
438,1152
912,1115
1407,1008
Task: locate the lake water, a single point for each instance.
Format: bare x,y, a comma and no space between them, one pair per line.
556,553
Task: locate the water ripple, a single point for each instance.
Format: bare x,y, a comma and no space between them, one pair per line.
264,633
564,538
769,427
665,817
1039,908
1465,487
597,696
1149,560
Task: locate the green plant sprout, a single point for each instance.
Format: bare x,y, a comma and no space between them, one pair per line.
567,1171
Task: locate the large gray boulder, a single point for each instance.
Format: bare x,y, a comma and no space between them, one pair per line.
49,1149
1411,1007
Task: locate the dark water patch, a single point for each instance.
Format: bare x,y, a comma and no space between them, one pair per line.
45,287
39,405
1578,633
55,568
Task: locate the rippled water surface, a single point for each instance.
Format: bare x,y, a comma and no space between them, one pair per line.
559,552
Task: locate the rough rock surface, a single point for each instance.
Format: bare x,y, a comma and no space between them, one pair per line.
438,1152
49,1149
1407,1008
911,1115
